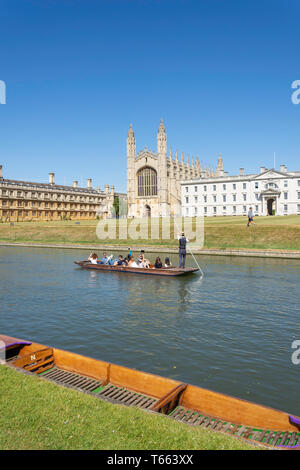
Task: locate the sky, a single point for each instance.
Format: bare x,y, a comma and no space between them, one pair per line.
78,72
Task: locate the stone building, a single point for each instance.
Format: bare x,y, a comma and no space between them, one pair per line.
24,201
268,192
153,178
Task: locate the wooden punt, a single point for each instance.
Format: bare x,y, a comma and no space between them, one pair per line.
180,401
170,271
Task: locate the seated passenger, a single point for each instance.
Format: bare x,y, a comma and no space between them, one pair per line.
158,263
132,263
104,259
167,263
93,258
120,261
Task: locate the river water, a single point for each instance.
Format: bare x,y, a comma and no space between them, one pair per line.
230,332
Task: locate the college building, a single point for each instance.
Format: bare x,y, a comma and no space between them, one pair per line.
154,177
269,192
27,201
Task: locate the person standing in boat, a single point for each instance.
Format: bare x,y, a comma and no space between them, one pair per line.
182,249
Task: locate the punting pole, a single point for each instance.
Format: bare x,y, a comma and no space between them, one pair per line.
190,250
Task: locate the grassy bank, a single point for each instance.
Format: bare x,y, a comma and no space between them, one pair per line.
37,414
281,233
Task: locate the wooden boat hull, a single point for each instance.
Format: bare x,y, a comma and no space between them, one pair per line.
184,402
170,271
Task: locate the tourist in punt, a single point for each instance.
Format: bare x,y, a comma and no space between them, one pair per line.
167,263
142,262
182,249
250,217
158,263
104,260
93,258
120,261
132,263
145,260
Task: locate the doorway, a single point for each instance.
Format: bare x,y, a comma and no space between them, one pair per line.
148,211
271,206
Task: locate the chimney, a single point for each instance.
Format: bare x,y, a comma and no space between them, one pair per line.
262,169
75,184
51,178
1,175
283,168
112,190
106,188
89,183
242,170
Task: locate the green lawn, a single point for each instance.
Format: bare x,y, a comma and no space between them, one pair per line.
281,233
37,414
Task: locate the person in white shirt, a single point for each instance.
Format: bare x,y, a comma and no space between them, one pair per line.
93,258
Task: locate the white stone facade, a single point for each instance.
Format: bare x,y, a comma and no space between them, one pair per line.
270,192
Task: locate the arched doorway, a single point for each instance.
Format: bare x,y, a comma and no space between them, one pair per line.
270,206
148,211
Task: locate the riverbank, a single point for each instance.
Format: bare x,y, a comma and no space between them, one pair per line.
47,416
271,236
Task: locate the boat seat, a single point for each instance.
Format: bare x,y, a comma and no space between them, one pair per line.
37,361
261,436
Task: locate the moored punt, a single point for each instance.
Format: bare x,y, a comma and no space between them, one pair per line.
169,271
187,403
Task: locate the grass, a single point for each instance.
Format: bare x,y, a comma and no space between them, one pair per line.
37,414
282,233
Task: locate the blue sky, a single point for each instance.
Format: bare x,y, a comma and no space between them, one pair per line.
78,72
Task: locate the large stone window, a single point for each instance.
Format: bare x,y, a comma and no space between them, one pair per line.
147,182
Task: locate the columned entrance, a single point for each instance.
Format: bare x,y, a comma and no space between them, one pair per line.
271,206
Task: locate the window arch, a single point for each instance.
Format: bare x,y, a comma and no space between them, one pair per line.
147,182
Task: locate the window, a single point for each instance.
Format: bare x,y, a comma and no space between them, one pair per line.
256,185
187,211
244,197
256,208
196,199
234,197
224,187
147,182
215,198
298,207
195,210
186,189
244,185
244,208
205,188
285,195
205,209
196,189
234,186
224,198
205,198
298,195
224,208
214,187
215,210
285,207
286,184
234,208
298,182
186,199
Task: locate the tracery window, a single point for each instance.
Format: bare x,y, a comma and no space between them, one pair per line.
147,182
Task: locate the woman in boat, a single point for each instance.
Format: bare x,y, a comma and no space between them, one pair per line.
142,262
93,258
167,263
120,261
132,263
158,263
